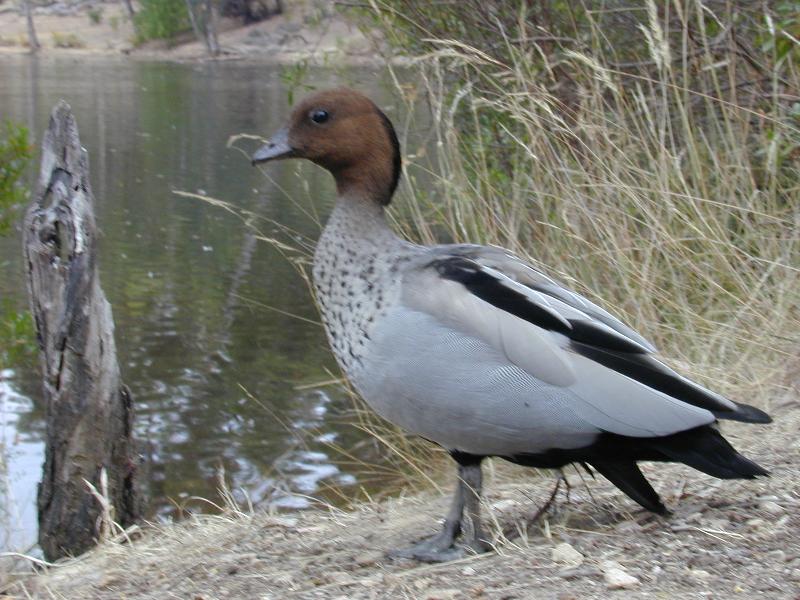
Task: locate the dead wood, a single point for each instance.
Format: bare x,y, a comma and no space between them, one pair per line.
89,411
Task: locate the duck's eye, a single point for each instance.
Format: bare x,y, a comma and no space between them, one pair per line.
319,116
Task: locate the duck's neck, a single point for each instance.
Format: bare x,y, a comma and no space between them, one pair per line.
357,225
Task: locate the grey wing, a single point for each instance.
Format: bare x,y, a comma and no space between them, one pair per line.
606,371
514,268
588,337
456,389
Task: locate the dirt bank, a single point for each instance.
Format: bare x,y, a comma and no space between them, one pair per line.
313,31
726,538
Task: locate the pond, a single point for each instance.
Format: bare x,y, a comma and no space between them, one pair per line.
216,332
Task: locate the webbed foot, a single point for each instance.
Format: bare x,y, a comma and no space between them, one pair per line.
440,548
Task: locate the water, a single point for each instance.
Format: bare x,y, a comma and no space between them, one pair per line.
219,379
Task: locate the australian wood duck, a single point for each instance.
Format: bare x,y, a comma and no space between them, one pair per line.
473,349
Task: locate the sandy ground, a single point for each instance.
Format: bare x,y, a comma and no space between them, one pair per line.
312,31
738,539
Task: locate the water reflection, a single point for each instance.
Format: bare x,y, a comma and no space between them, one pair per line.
21,454
214,375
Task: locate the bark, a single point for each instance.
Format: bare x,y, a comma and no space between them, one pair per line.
129,7
89,410
33,41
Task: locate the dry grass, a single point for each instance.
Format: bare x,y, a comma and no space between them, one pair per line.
666,194
661,195
726,537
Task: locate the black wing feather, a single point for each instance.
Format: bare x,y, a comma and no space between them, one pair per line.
598,342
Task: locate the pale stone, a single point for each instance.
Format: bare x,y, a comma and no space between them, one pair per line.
567,555
617,579
772,508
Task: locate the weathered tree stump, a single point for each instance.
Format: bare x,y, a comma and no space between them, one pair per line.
88,409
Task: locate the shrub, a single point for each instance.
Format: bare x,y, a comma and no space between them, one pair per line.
95,16
15,152
160,19
16,328
67,40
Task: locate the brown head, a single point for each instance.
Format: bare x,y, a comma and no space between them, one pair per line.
343,131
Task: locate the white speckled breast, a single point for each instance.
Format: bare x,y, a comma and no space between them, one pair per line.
356,266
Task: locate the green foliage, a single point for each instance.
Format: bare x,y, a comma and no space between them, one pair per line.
161,19
16,328
17,335
15,152
782,31
294,77
67,40
95,16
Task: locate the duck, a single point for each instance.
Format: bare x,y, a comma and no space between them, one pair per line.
473,349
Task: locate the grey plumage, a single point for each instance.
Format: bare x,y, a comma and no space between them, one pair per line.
432,357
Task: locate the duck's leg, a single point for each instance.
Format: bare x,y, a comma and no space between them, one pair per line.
442,546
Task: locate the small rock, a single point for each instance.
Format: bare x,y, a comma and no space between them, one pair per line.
699,574
565,554
339,577
442,594
607,565
717,524
772,508
478,590
617,579
368,558
754,523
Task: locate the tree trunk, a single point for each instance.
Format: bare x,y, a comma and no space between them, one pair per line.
33,41
129,6
211,27
89,410
193,20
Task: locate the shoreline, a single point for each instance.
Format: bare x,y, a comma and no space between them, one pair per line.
295,36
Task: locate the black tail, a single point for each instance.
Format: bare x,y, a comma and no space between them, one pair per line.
628,478
704,449
615,457
744,413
